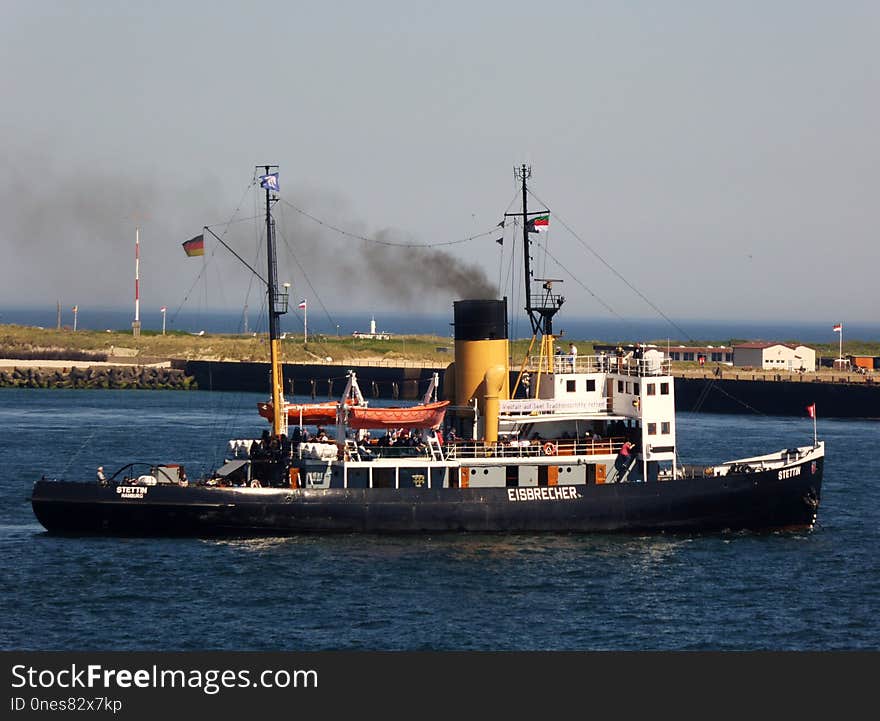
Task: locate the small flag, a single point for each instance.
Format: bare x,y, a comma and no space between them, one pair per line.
500,241
302,304
811,410
539,224
75,308
270,182
194,246
838,328
500,225
163,309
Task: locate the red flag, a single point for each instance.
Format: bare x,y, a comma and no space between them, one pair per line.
811,410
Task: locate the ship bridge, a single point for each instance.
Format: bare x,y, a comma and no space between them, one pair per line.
597,395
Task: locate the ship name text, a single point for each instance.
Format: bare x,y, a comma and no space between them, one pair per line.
546,493
789,472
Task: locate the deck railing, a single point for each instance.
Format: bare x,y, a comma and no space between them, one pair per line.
599,364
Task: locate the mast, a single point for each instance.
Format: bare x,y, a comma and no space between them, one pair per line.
277,305
542,310
524,173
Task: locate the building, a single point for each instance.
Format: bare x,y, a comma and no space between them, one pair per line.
774,356
708,354
373,334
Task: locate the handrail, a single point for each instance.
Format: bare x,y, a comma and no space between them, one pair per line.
544,448
599,364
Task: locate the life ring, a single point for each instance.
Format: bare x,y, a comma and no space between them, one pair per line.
256,484
549,449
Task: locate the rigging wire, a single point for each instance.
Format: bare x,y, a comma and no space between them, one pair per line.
205,264
384,242
613,270
305,276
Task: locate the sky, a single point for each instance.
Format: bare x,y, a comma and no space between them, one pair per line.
699,159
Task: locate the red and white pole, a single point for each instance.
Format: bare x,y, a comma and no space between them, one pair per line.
136,325
137,274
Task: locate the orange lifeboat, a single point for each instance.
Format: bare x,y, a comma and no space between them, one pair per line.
425,415
312,414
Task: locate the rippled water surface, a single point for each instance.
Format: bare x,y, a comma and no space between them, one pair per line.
816,590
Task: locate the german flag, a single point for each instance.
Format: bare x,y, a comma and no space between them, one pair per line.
195,246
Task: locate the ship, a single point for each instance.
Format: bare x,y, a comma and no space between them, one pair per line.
550,443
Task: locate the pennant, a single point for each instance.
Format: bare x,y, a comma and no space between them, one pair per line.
270,182
500,241
194,246
811,410
302,304
162,309
500,225
838,328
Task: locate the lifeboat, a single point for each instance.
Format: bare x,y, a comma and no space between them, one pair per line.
312,414
424,415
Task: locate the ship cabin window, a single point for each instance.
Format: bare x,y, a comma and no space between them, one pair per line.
629,387
652,429
591,385
620,386
652,389
636,388
570,386
383,478
664,389
664,428
358,478
438,477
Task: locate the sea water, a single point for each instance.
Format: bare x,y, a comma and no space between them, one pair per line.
812,590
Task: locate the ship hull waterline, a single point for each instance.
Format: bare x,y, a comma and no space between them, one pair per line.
758,501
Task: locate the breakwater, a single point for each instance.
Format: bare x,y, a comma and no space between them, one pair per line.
319,380
784,397
833,399
124,376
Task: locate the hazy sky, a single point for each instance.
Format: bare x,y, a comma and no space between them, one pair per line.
722,157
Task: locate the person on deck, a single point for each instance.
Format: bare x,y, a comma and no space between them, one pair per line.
101,478
572,355
623,459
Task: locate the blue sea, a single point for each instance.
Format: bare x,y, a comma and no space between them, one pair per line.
439,324
815,590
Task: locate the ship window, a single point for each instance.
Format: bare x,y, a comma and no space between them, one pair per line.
629,387
664,427
383,478
636,388
664,389
652,389
652,429
438,477
570,386
358,478
591,384
620,386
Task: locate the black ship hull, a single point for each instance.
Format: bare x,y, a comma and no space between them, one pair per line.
758,500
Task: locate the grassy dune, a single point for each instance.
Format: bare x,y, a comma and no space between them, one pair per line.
38,343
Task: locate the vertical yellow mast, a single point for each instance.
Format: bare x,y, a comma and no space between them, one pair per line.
277,304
